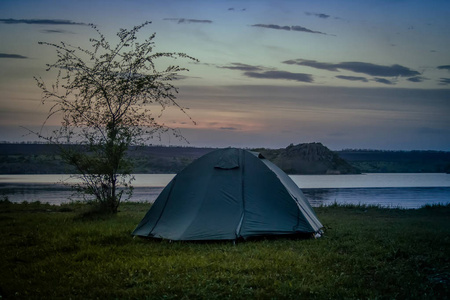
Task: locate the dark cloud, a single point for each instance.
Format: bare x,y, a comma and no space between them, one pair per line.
15,56
352,78
444,81
267,73
243,67
378,70
272,26
300,28
446,67
180,77
40,22
287,28
417,79
358,67
383,80
312,64
56,31
229,128
319,15
281,75
183,20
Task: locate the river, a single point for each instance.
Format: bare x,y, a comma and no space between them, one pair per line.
387,190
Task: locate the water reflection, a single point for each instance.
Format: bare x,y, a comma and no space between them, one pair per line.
404,197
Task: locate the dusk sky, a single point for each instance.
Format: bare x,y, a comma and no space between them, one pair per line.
350,74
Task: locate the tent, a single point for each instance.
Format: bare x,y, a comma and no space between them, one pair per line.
229,194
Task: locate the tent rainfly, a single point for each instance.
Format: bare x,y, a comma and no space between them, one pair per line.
229,194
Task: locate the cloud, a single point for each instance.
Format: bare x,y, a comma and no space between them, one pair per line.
56,31
229,128
417,79
268,73
40,22
281,75
181,77
352,78
444,81
300,28
319,15
15,56
287,28
377,70
243,67
183,20
272,26
312,64
358,67
364,114
446,67
383,80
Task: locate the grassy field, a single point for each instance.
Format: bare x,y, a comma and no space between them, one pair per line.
66,252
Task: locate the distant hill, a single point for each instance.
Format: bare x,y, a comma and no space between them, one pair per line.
312,158
373,161
31,159
44,159
164,160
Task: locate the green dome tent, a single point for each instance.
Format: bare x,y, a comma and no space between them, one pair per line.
229,194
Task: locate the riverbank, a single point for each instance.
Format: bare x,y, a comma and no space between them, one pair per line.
367,252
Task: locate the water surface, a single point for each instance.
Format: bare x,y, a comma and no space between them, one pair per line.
387,190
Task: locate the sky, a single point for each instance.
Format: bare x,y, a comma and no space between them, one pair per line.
371,74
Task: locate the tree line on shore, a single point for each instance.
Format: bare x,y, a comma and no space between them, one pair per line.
39,158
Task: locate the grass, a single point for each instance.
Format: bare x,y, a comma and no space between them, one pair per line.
66,252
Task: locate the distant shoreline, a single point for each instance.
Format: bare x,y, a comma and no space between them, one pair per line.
44,159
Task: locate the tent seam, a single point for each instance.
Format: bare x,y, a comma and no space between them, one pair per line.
242,163
165,204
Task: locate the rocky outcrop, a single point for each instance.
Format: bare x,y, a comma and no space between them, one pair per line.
310,158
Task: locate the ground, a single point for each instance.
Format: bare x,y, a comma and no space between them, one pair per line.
70,251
